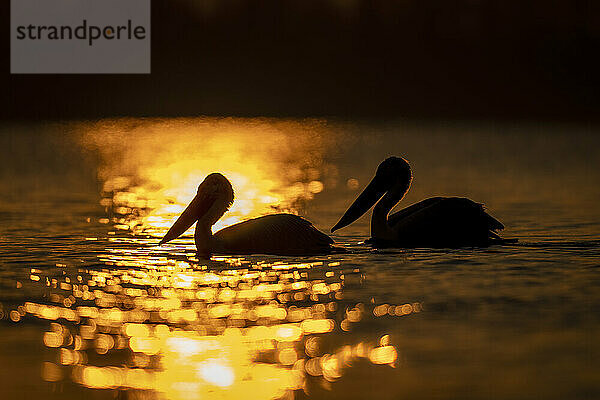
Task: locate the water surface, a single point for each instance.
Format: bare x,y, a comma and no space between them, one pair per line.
90,306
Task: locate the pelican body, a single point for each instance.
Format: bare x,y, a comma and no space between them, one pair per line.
449,222
279,234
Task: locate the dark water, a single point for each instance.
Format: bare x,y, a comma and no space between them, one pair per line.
92,308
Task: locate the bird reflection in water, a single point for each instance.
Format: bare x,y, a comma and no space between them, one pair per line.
145,321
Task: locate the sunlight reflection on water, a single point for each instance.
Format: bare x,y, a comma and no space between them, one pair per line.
166,323
151,169
118,315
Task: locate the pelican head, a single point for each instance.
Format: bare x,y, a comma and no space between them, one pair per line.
393,175
214,197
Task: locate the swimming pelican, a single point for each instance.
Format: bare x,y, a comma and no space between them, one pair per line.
280,234
435,222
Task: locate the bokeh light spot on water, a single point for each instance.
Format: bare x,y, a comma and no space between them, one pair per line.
14,316
352,184
383,355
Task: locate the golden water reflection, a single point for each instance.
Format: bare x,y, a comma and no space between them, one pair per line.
151,169
146,320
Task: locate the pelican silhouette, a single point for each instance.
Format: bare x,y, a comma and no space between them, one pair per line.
435,222
279,234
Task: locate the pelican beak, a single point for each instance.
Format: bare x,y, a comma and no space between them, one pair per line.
194,211
369,196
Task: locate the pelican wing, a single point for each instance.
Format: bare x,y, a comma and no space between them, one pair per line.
445,222
405,212
281,234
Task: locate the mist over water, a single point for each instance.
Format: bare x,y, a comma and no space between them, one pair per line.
89,303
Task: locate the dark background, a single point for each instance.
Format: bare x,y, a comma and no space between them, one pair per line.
510,59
